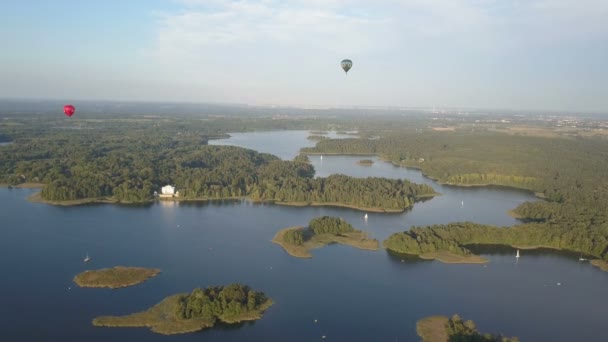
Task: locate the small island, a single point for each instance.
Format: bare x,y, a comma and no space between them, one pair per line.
444,329
322,231
201,309
115,277
365,162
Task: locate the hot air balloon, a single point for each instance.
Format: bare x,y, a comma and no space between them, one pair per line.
69,110
346,65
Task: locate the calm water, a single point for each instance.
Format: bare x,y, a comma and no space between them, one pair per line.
356,295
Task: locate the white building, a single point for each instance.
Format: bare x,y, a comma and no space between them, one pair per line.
168,190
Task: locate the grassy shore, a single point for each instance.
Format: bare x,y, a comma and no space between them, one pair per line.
433,329
451,258
161,318
342,205
36,198
603,265
115,277
357,239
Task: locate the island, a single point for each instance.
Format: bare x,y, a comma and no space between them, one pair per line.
322,231
444,329
365,162
115,277
201,309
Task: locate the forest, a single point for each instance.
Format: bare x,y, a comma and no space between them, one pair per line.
220,302
128,161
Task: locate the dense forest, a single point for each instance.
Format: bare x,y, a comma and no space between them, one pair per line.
330,225
570,173
131,162
220,302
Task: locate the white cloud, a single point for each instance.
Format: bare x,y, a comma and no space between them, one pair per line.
267,47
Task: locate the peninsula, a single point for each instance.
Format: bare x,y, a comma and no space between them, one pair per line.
322,231
115,277
448,242
201,309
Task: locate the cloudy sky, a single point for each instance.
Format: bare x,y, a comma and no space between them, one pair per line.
516,54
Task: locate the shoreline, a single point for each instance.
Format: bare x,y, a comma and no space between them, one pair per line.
36,198
450,258
23,185
603,265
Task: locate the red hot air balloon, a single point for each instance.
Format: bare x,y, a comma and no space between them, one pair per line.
69,110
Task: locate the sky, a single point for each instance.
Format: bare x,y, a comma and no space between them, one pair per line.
499,54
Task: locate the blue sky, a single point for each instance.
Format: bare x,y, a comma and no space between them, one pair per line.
504,54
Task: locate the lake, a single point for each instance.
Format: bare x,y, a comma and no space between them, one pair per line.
356,295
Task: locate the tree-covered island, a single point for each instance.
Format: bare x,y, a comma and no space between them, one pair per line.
321,231
115,277
201,309
454,329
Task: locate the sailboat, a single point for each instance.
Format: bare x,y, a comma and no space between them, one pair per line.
517,255
462,204
581,258
365,216
87,258
321,157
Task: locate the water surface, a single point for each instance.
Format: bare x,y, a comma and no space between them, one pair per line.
356,295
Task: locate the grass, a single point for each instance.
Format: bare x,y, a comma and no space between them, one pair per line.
451,258
36,198
357,239
115,277
432,329
161,318
603,265
342,205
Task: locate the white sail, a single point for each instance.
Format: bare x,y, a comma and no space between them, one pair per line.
517,255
